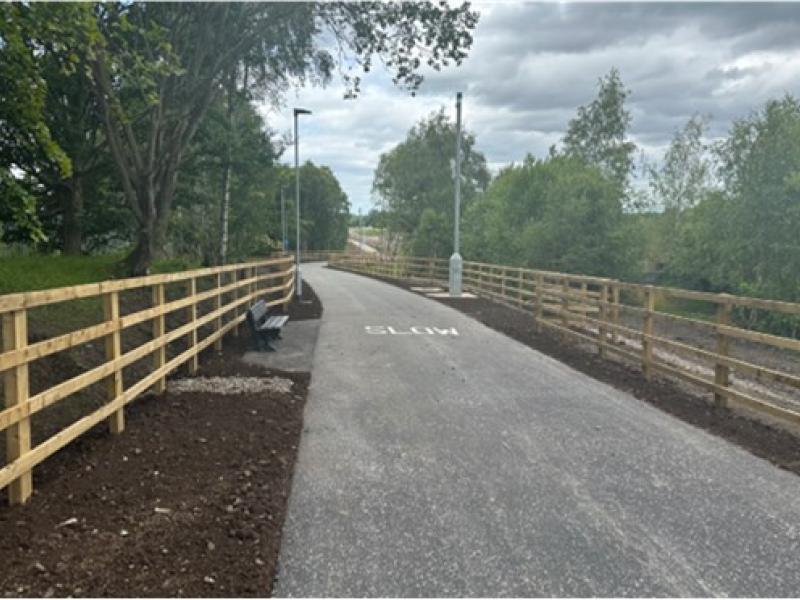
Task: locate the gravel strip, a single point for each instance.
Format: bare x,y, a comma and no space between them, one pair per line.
230,385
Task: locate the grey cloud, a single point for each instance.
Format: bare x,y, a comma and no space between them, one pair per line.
532,65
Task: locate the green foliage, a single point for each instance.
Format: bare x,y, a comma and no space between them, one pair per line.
417,176
433,235
324,210
558,214
39,54
598,133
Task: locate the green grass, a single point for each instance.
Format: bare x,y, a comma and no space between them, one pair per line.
38,272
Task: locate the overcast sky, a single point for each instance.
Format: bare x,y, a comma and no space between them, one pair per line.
532,65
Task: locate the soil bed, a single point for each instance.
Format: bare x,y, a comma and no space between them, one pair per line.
189,501
309,307
777,445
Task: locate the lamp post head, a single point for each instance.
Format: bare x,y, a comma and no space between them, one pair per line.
301,111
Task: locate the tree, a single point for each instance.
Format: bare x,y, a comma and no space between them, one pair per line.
324,209
760,163
682,180
598,133
158,67
247,169
417,175
48,121
558,214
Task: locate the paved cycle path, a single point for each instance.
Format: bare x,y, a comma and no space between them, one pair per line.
436,464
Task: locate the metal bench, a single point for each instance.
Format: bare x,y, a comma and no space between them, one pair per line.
264,327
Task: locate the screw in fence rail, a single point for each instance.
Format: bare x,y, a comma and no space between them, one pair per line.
721,370
218,320
16,392
191,317
539,300
647,332
160,354
602,334
113,348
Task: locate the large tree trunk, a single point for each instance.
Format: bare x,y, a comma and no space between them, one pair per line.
143,255
72,213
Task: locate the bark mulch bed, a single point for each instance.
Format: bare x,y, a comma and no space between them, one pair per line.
777,445
189,501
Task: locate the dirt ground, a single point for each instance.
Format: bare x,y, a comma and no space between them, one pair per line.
188,501
777,445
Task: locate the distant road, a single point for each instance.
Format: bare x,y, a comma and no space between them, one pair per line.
441,458
364,247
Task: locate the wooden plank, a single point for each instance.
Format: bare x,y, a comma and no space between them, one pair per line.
16,390
13,358
113,347
763,338
160,355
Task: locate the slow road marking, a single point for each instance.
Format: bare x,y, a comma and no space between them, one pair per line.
415,330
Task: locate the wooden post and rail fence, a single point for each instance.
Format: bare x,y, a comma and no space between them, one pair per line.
619,318
229,289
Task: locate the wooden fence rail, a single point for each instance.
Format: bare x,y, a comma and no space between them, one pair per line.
229,289
620,319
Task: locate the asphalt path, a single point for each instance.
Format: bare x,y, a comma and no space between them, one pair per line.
435,464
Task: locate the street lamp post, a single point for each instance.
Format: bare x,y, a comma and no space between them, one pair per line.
298,277
456,263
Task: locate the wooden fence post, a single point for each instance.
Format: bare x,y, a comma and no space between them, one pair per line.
503,275
287,282
218,320
647,332
16,389
237,294
615,312
520,285
602,331
160,355
539,301
113,344
565,289
194,362
722,371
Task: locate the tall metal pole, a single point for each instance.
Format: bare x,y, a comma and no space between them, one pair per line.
456,263
297,276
